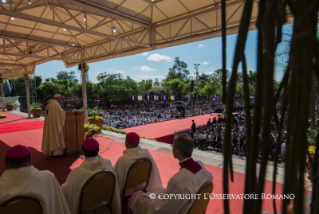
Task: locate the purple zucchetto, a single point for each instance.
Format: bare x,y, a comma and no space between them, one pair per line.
90,144
18,151
133,138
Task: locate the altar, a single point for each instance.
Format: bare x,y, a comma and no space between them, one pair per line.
74,131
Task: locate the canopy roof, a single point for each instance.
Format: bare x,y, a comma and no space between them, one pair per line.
36,31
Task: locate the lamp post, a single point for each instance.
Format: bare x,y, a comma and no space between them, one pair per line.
196,73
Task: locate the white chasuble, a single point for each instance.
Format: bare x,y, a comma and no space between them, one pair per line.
184,182
53,130
42,185
122,166
78,176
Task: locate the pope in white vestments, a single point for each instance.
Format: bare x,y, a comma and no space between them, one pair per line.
188,180
92,164
53,131
130,155
22,179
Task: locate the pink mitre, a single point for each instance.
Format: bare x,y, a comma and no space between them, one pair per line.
133,138
90,144
18,151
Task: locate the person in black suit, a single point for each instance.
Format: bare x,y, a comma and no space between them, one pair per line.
214,121
193,127
234,142
209,122
217,142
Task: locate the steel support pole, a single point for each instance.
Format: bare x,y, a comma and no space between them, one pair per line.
27,94
84,97
2,95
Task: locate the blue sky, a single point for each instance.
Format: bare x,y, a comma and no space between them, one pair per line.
155,64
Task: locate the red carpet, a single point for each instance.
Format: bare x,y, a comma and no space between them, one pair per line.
16,127
164,131
14,118
112,150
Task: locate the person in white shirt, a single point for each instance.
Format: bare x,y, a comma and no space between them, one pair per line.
130,155
188,180
23,179
92,164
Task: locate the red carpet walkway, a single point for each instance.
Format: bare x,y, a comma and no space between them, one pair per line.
15,123
164,131
16,127
112,150
14,118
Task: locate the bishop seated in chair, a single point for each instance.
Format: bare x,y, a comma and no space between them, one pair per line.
188,180
130,155
92,164
23,179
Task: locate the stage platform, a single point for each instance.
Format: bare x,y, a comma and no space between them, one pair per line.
164,131
112,146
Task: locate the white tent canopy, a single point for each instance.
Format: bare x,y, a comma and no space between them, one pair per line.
77,31
36,31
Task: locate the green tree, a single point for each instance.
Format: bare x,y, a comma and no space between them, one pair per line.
176,86
203,76
115,87
252,77
145,85
92,90
179,70
37,80
47,90
64,75
219,73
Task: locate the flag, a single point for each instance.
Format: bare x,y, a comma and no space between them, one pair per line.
133,98
147,97
164,97
139,98
155,97
172,97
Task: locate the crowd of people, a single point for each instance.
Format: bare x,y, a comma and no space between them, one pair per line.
146,113
131,116
211,137
75,196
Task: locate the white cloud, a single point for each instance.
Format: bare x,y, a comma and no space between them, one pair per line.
111,69
145,53
119,72
158,57
202,46
204,63
147,68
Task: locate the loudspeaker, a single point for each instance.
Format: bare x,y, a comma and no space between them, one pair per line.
192,86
